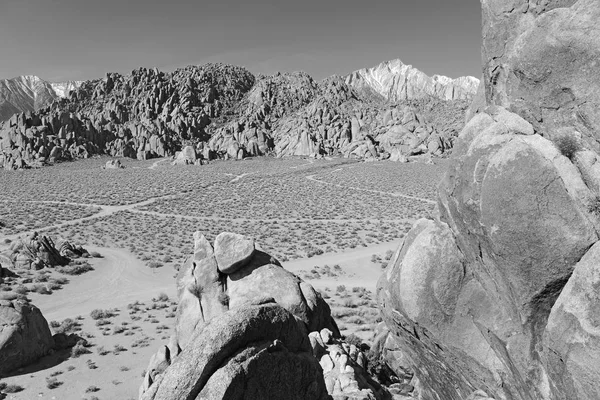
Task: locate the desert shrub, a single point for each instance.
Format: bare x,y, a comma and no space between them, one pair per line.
353,339
53,383
340,289
118,329
196,290
66,326
41,289
388,255
162,297
594,205
101,314
92,389
79,349
12,388
155,264
75,269
223,298
568,145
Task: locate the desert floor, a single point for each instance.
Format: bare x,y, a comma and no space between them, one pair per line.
335,223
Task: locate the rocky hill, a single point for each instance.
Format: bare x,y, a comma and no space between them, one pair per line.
30,93
224,111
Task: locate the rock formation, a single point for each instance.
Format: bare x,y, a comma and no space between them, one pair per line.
241,317
226,112
39,251
24,334
494,297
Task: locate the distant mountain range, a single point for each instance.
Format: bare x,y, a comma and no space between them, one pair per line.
396,81
393,81
30,93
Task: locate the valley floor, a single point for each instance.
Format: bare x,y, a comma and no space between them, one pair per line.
334,223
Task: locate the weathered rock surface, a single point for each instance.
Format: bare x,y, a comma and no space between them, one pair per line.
468,296
540,61
232,251
234,329
24,335
234,357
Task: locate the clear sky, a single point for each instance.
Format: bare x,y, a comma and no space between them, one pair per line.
83,39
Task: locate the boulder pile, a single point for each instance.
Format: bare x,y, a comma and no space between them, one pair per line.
247,328
225,112
39,251
494,297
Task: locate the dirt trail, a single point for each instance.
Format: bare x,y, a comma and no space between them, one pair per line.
105,210
118,279
406,196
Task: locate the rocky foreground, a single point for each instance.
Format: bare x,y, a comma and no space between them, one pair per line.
391,111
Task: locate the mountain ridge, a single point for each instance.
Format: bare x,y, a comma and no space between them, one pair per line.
225,111
396,81
28,93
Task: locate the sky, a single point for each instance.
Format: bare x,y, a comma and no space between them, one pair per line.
62,40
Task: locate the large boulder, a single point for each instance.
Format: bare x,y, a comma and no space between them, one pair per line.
24,335
468,296
235,356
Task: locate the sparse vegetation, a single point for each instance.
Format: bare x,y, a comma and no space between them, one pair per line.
568,145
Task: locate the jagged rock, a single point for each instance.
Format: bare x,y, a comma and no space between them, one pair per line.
200,289
24,335
36,252
344,368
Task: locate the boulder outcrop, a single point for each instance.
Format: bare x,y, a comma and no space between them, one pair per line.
24,335
494,297
257,331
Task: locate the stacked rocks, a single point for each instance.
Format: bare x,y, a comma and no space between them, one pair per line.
247,328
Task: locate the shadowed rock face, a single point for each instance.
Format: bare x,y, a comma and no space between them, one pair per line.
497,293
24,335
